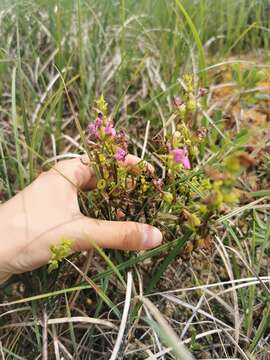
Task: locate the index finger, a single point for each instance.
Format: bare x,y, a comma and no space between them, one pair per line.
80,172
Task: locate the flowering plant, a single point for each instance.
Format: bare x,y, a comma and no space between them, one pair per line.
183,193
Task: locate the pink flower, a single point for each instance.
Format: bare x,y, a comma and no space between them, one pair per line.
177,101
180,156
98,121
92,132
177,155
186,163
120,154
110,130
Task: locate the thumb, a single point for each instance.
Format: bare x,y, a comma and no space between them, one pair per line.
115,235
87,233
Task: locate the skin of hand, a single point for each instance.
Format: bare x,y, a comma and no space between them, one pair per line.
47,211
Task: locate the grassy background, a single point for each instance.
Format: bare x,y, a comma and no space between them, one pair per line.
118,48
133,52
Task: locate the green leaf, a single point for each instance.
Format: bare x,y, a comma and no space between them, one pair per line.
202,60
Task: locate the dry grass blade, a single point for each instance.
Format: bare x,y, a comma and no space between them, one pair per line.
65,320
187,341
193,308
145,139
98,290
263,283
239,210
247,282
65,351
61,157
241,286
154,332
55,344
124,318
240,350
194,313
45,335
177,347
44,96
226,260
159,345
1,351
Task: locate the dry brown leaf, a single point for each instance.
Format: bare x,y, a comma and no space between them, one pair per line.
255,117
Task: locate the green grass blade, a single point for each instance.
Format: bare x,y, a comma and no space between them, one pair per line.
241,37
260,193
110,264
71,329
202,59
16,132
167,261
36,327
5,171
121,267
264,325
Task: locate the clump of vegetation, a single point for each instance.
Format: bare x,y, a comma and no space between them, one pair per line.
182,196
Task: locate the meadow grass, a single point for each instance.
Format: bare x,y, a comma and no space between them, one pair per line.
56,58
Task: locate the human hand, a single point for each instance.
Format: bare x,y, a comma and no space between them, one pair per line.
47,211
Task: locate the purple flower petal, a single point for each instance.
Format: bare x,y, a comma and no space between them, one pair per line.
110,130
120,154
180,156
98,121
186,163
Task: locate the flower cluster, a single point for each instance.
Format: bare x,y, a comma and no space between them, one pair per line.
102,131
105,131
59,252
180,194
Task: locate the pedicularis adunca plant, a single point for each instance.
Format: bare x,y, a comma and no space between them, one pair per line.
183,193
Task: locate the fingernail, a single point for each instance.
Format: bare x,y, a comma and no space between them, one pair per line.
152,237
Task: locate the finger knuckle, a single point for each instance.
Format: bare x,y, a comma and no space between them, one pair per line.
130,236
